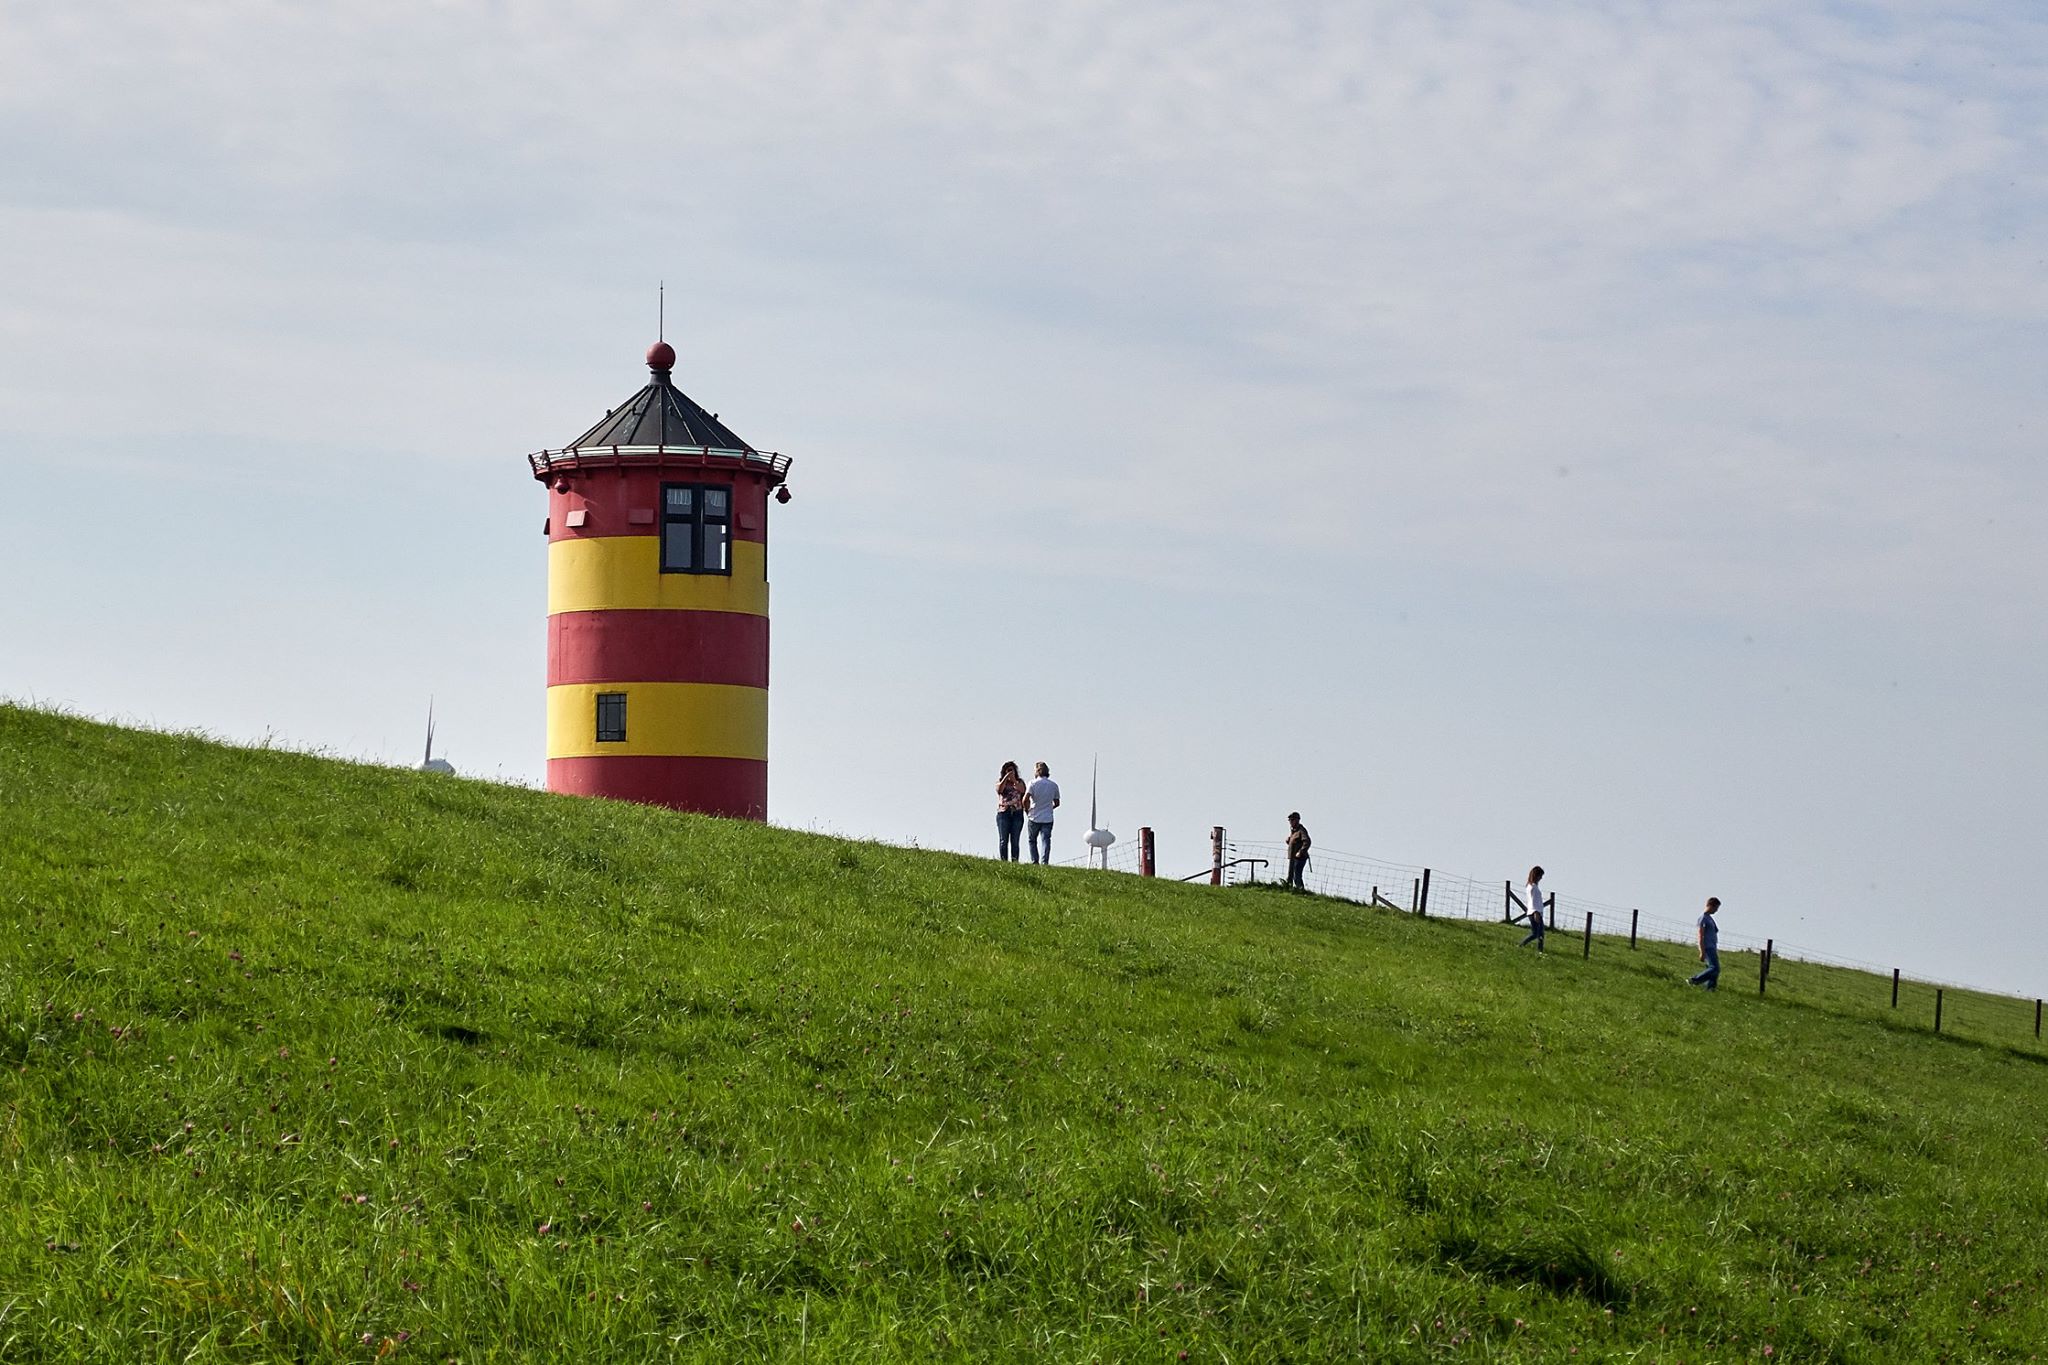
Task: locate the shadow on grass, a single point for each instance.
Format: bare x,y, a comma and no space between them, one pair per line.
459,1033
1562,1264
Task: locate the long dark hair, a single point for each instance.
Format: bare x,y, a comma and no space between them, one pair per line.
1009,769
1535,875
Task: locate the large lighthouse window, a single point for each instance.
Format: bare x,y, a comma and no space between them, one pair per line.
696,528
611,717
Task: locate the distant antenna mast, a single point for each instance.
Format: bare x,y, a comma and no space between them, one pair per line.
661,311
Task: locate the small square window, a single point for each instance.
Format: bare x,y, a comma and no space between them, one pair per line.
611,717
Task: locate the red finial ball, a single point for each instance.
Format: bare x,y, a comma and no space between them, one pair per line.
661,356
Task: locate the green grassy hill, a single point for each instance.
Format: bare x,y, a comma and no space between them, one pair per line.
308,1060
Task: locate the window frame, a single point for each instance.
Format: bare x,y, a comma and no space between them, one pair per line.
603,736
700,526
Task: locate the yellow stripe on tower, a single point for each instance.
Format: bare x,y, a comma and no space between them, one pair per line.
684,720
623,573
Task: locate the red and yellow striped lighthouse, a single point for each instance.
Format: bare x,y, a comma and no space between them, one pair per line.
658,606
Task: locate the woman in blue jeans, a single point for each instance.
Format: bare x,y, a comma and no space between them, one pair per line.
1010,790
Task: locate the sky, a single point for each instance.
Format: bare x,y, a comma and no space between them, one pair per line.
1605,436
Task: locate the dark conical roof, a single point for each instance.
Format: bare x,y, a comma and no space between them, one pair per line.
659,415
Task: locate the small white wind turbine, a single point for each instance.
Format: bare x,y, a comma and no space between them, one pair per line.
1098,839
431,764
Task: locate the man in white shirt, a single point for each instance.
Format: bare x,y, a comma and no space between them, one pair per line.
1041,801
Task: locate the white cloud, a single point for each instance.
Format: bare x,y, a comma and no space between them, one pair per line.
1411,258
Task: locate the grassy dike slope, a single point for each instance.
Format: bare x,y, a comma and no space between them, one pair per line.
309,1060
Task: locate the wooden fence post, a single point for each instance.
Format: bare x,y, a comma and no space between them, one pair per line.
1422,908
1507,902
1633,916
1763,966
2037,1018
1895,988
1414,892
1216,855
1589,934
1147,866
1937,1009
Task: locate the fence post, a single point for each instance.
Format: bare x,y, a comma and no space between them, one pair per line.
1937,1009
1422,908
2037,1018
1895,988
1633,916
1589,934
1507,902
1414,892
1216,855
1146,866
1763,966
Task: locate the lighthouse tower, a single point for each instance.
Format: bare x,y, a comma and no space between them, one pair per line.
658,605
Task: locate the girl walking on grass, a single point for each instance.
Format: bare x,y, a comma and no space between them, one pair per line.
1533,893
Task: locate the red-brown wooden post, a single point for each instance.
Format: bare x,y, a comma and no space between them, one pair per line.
1216,855
1147,867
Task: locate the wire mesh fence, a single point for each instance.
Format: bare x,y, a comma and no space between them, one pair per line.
1665,939
1121,856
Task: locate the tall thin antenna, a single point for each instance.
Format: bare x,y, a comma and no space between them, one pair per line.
430,730
661,311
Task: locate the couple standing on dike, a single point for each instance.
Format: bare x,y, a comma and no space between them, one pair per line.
1708,977
1014,801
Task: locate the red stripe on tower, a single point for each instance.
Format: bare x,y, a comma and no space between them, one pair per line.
658,646
736,788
